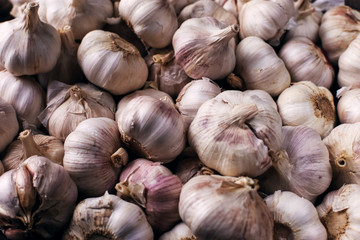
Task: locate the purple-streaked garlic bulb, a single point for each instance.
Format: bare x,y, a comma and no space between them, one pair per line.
9,125
153,187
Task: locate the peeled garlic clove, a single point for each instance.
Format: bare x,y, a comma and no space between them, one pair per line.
301,166
108,217
339,26
25,95
236,132
348,69
29,144
180,231
28,45
9,125
339,212
306,61
193,95
155,188
266,19
30,206
111,63
304,103
294,217
205,47
151,128
94,155
348,106
260,67
222,207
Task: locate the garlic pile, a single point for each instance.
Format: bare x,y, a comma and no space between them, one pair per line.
9,125
348,109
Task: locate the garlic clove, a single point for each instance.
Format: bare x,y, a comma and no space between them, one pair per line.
9,125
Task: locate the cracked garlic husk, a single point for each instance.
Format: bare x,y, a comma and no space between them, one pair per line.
266,19
306,62
201,208
28,45
349,71
94,156
260,67
9,125
37,200
205,47
153,187
111,62
236,132
348,105
294,217
151,128
153,21
180,231
301,166
339,212
29,144
108,217
68,105
304,103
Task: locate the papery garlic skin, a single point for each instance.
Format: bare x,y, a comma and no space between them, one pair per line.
236,132
306,62
108,217
28,45
295,214
153,21
260,67
180,231
349,70
9,125
266,19
205,47
348,106
304,103
202,202
111,63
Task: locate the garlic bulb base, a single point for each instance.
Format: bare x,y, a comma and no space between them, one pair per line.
119,158
339,219
281,231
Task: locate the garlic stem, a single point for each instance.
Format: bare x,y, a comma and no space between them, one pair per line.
133,191
31,16
224,35
119,158
241,113
281,162
77,93
67,39
163,58
29,145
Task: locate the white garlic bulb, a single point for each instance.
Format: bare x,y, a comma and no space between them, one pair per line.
260,67
347,108
9,125
94,155
222,207
349,70
151,128
339,26
205,47
153,21
180,231
111,63
339,212
266,19
306,62
236,132
193,95
25,95
304,103
295,217
301,166
82,16
229,5
108,217
28,45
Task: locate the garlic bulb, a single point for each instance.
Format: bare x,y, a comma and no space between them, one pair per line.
37,200
108,217
180,4
236,132
295,217
229,5
339,212
82,16
151,128
260,67
266,19
339,26
343,144
29,145
153,187
153,21
69,105
301,166
28,45
306,62
25,95
203,8
94,155
348,69
9,125
348,106
222,207
180,231
111,63
304,103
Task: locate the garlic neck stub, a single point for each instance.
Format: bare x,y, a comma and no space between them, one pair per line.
9,125
348,69
348,106
205,47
